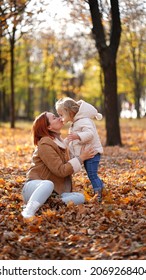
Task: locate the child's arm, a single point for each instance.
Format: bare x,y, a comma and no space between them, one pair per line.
84,134
73,136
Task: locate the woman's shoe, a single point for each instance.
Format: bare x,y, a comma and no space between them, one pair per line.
31,209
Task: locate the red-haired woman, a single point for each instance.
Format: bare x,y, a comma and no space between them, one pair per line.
51,168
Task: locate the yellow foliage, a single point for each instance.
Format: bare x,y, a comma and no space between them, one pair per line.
134,148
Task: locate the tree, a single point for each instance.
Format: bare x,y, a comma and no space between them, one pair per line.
28,50
106,32
3,63
11,13
107,49
134,40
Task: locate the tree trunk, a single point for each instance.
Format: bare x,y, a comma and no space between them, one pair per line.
137,97
3,62
111,105
107,54
30,107
29,103
4,108
12,104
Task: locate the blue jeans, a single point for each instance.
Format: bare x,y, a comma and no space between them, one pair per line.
91,166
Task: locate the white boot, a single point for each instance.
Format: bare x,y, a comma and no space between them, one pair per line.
30,209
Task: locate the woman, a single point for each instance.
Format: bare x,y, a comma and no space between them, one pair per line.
51,168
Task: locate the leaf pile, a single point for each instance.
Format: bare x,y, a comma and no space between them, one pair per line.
113,229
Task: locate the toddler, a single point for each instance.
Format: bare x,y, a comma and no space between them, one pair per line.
83,133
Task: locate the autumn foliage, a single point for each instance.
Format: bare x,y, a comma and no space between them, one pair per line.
114,229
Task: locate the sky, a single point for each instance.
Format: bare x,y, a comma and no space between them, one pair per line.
54,16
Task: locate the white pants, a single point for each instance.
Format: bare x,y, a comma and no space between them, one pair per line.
75,197
37,190
40,190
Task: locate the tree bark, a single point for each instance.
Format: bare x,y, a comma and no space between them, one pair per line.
12,104
137,95
29,103
111,105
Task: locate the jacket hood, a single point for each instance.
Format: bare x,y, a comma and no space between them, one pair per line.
86,110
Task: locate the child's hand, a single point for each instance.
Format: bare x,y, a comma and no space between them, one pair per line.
72,137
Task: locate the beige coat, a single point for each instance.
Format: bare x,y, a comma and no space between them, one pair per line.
85,127
50,162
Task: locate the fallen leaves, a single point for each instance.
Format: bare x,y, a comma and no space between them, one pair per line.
113,229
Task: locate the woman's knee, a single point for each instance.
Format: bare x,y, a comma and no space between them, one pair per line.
76,198
49,185
80,197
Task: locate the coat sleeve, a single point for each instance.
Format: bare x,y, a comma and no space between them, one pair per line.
87,133
52,159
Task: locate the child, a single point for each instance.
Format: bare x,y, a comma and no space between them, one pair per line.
83,133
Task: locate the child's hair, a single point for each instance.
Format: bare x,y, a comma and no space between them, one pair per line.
67,105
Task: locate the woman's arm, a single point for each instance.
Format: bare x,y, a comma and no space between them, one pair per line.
54,160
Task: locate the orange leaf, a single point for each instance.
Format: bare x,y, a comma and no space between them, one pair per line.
2,181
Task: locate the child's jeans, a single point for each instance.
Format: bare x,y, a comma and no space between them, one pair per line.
91,166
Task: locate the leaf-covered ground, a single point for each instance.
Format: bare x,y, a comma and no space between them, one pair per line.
114,229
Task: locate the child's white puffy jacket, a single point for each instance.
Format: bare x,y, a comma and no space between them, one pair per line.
84,126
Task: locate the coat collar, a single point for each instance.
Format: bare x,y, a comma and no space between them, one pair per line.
60,143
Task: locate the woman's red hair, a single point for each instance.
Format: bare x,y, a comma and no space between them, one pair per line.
40,128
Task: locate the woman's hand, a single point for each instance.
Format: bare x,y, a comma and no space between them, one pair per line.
86,154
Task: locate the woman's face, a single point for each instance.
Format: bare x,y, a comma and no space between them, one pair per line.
56,123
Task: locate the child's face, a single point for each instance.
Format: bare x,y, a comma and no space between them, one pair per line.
65,117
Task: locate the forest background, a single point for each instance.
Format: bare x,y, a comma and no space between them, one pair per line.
49,51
